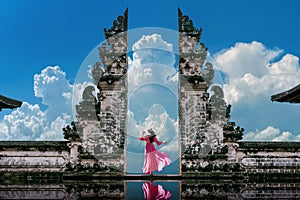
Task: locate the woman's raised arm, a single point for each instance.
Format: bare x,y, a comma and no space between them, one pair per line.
142,137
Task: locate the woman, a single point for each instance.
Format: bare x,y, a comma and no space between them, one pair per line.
154,160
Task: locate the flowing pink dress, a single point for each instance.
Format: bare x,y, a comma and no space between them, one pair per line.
155,192
154,160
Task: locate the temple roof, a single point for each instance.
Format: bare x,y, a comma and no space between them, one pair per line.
292,95
6,102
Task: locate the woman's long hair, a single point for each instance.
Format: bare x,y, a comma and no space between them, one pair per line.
151,138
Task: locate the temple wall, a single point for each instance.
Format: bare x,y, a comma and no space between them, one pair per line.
32,192
269,156
34,156
246,158
243,157
102,190
238,190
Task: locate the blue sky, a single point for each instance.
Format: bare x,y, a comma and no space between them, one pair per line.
43,44
35,34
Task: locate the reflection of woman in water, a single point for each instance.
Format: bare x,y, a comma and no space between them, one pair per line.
155,192
154,160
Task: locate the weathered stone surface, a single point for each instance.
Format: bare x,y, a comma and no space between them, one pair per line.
34,156
119,189
269,156
201,119
209,141
102,120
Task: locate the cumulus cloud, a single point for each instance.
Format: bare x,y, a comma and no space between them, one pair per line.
30,122
153,61
154,41
246,58
24,123
51,85
54,130
251,71
285,136
269,134
152,77
253,74
153,49
297,137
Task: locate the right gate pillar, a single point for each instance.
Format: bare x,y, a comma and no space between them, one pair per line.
201,118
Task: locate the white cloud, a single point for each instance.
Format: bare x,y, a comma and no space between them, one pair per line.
154,41
51,85
67,95
246,58
161,122
298,137
153,61
49,78
25,123
251,71
152,49
132,124
285,136
29,122
269,134
153,64
152,77
54,131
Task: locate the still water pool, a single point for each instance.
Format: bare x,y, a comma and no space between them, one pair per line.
152,189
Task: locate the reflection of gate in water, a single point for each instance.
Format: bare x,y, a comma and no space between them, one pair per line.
158,189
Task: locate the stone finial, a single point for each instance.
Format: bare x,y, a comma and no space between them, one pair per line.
113,53
119,25
192,53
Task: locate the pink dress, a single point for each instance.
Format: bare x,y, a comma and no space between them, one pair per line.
155,192
154,159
